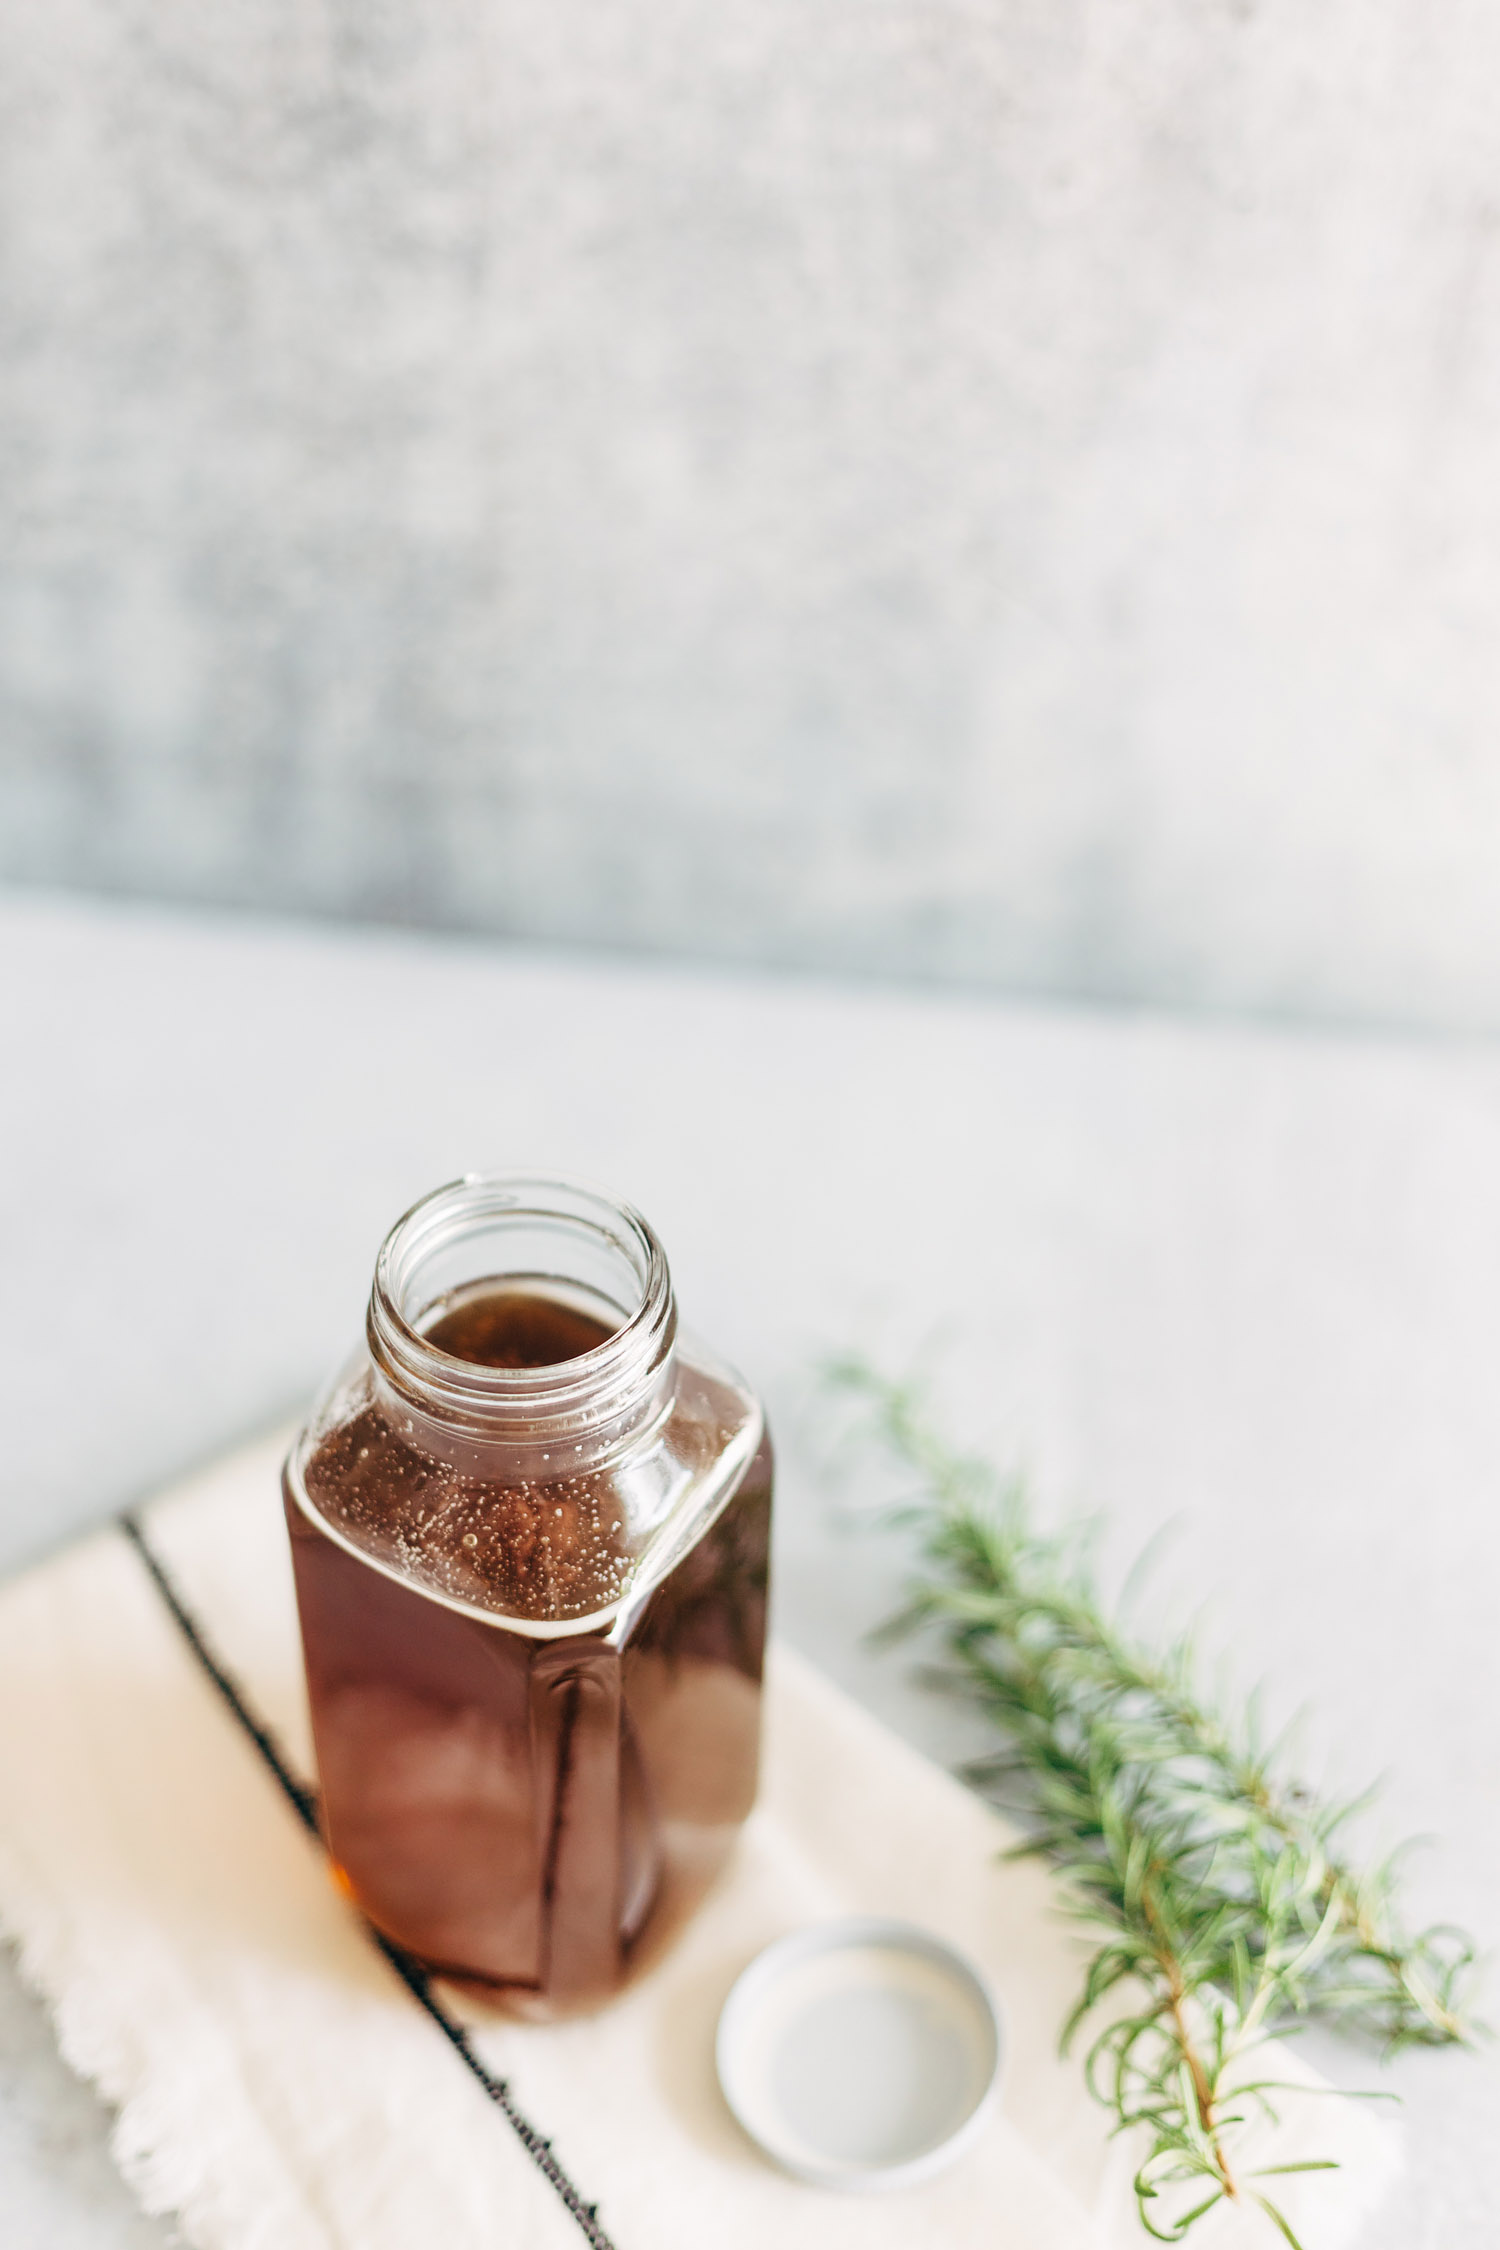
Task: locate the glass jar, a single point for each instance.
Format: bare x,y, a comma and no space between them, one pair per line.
529,1526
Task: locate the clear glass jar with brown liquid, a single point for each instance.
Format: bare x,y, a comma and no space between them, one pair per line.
529,1526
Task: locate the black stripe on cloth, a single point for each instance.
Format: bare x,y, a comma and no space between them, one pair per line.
411,1972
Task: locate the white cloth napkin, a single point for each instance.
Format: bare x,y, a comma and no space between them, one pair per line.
279,2089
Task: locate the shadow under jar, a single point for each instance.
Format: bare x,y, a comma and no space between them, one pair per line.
529,1526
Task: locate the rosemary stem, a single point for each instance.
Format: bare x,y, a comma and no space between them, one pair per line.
1217,1912
1203,2092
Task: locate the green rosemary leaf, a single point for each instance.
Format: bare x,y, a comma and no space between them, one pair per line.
1221,1915
1278,2220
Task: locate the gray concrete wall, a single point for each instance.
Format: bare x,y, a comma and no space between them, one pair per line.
995,489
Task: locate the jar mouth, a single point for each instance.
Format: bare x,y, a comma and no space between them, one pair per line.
557,1236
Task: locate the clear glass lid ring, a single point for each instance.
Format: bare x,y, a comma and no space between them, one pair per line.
554,1234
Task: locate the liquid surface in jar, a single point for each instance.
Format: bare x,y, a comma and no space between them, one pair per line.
550,1547
499,1326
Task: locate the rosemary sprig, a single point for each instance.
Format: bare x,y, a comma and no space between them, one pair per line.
1221,1910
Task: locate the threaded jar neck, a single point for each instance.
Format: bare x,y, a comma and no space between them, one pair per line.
562,1240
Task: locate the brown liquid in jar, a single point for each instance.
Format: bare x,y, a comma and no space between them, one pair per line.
534,1816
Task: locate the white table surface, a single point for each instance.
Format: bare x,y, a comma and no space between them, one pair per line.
1245,1281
